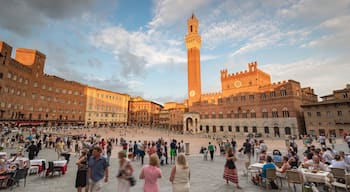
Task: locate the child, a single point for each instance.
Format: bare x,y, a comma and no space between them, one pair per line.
205,154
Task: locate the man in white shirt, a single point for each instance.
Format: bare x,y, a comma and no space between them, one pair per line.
327,156
316,163
339,163
322,140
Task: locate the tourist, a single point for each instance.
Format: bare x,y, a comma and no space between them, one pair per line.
285,166
124,173
180,175
322,140
315,163
247,149
32,150
59,148
269,165
339,163
172,151
151,173
109,151
81,179
166,152
211,149
98,169
347,140
230,171
262,156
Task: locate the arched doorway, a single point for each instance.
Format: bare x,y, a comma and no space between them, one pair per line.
214,129
287,131
207,129
189,123
276,131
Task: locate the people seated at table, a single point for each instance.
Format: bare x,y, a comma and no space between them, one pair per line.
269,165
315,163
276,156
339,163
285,166
293,159
262,157
308,157
345,158
3,167
327,155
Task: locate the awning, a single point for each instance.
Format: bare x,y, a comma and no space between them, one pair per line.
24,123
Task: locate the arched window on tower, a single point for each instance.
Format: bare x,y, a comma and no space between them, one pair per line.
191,28
285,112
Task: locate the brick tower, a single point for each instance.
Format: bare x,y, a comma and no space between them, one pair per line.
193,44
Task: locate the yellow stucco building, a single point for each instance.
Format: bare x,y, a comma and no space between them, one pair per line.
106,108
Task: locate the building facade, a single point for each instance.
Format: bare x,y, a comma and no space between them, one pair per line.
29,97
171,116
106,108
248,101
331,116
144,113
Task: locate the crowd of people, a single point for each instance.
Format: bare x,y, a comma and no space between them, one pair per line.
94,157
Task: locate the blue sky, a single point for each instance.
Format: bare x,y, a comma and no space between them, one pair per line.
137,46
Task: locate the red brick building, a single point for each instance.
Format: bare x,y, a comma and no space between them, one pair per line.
30,97
331,116
144,113
248,101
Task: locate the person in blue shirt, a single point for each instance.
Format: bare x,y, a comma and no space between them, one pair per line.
269,165
98,170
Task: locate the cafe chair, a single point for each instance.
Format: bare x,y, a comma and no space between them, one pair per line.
270,176
20,174
52,169
3,181
295,177
33,169
341,179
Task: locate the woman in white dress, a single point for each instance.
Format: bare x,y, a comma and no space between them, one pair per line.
125,171
180,175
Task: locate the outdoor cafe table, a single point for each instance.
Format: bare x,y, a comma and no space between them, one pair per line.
39,163
62,164
256,166
319,177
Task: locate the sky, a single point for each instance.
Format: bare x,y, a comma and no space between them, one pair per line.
137,46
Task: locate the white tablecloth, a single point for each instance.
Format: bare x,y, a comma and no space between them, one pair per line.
59,163
37,161
3,154
256,166
319,177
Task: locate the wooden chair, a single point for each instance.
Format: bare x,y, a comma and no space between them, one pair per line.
340,174
270,176
295,177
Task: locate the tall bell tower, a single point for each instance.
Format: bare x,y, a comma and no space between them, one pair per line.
193,44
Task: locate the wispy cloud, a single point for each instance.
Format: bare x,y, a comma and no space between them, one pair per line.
137,50
312,72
